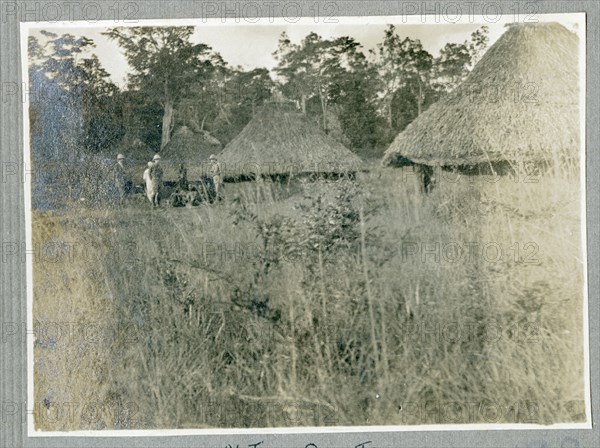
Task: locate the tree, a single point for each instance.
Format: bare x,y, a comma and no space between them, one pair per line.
165,64
410,101
239,95
358,113
101,105
401,63
54,107
478,44
317,68
295,73
205,100
75,105
142,123
457,60
251,89
59,58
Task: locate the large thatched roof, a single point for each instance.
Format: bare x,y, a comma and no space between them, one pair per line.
520,102
187,146
280,139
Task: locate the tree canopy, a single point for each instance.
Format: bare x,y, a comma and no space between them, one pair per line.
165,65
362,99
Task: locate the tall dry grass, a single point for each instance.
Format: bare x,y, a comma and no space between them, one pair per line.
329,303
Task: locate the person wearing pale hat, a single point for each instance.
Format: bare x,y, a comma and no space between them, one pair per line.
215,168
120,179
156,174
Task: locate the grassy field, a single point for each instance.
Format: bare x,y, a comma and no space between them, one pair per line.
316,303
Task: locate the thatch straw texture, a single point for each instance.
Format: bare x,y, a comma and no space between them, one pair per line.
188,146
520,102
281,140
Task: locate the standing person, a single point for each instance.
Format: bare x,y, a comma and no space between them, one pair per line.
215,169
148,182
182,182
156,174
427,177
120,179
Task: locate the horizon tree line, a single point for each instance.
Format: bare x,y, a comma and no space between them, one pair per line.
362,99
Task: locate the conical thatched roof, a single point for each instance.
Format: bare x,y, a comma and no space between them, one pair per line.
280,139
520,102
188,146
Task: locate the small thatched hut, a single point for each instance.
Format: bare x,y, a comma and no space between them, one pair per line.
281,140
520,103
188,146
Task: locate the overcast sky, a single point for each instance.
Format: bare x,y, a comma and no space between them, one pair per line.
252,45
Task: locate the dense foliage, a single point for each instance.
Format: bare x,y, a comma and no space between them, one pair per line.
361,99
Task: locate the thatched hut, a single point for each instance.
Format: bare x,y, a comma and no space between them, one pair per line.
280,140
188,146
520,103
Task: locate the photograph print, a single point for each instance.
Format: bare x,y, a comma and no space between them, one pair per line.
304,225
